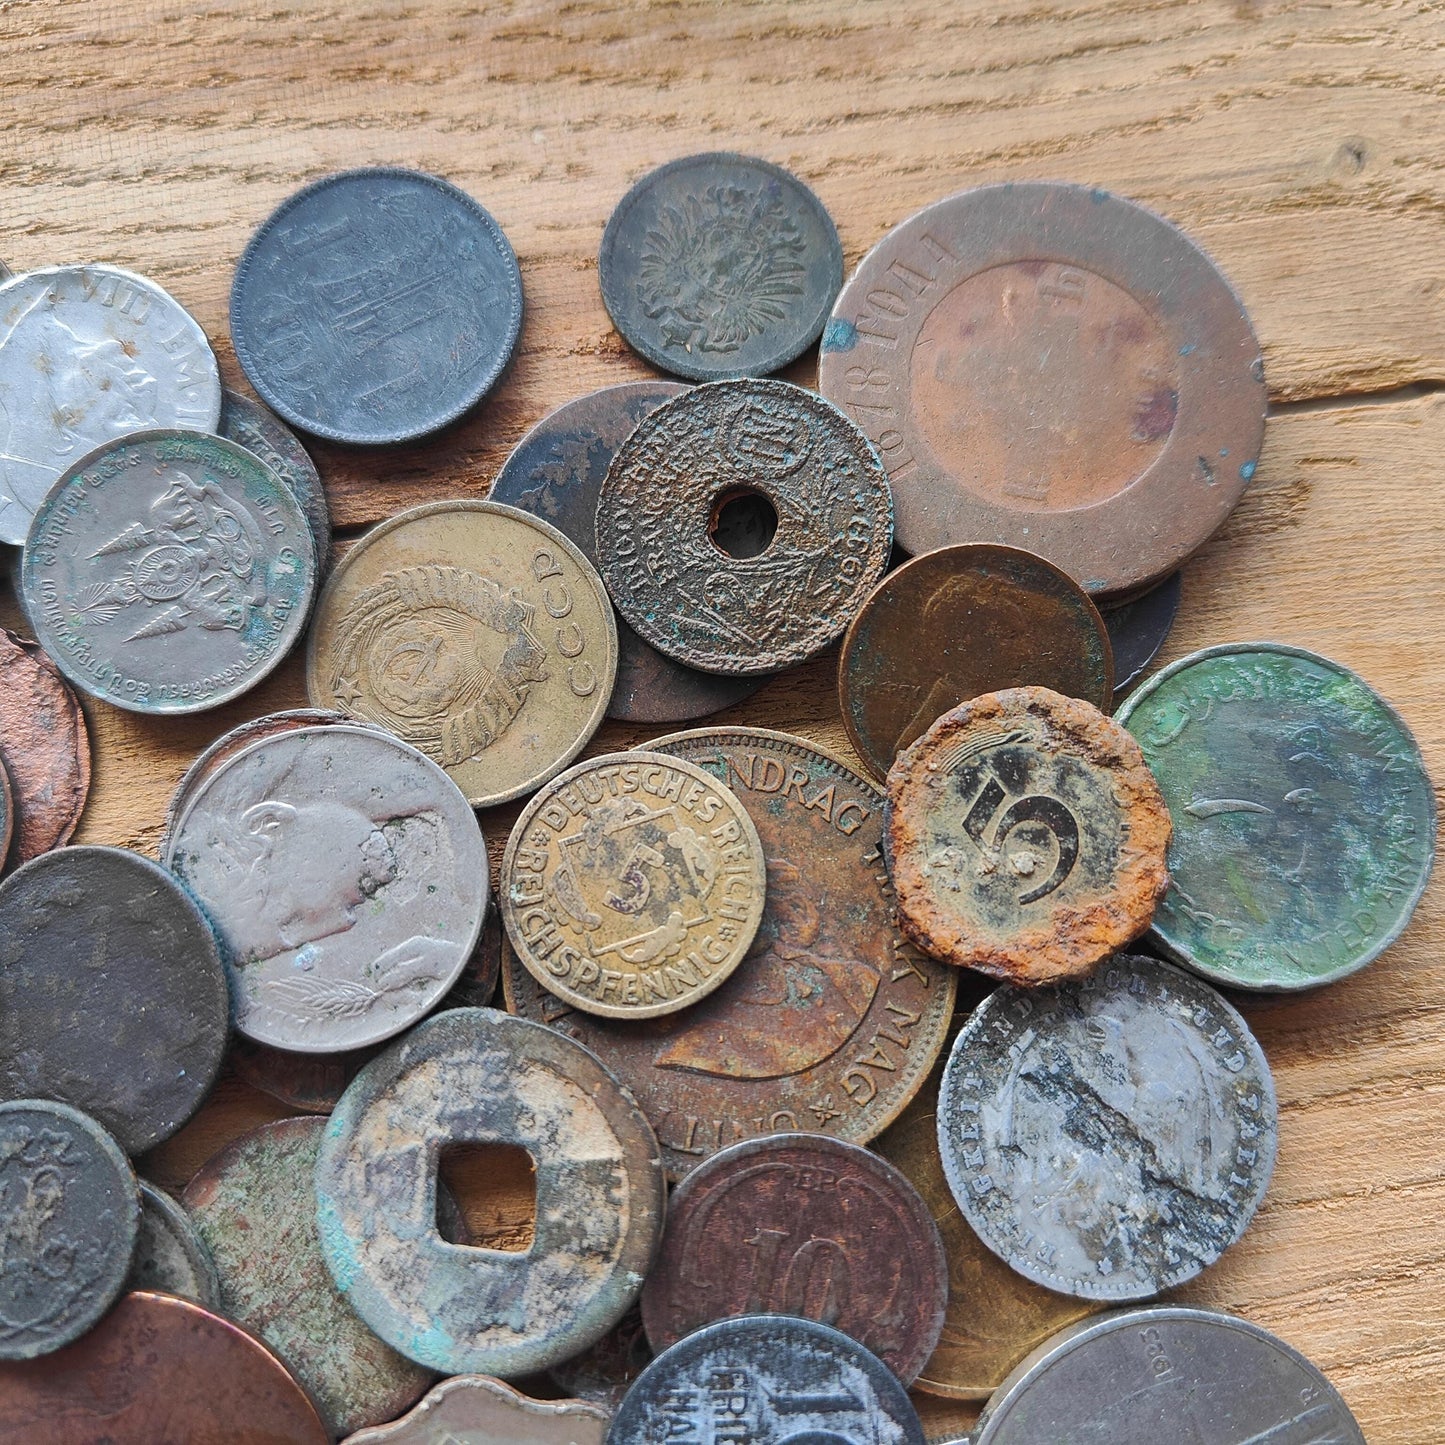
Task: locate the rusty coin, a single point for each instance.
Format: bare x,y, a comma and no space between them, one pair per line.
742,524
1138,629
477,1410
1052,367
169,1254
831,1022
805,1225
959,622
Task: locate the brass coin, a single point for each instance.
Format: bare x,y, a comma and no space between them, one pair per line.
477,633
632,885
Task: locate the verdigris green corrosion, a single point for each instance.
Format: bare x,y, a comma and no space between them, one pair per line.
1304,823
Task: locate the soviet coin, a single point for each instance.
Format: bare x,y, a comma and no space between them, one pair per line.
169,1254
168,572
1140,1376
1025,836
346,877
1138,629
1051,367
805,1225
603,1372
89,354
1111,1136
479,1076
153,1359
112,995
766,1378
742,524
376,306
632,885
959,622
831,1022
478,1410
478,633
1304,821
555,472
70,1209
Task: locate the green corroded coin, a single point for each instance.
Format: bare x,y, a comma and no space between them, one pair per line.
1304,823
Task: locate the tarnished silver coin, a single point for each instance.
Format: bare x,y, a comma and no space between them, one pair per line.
169,1254
1111,1136
346,877
88,354
168,572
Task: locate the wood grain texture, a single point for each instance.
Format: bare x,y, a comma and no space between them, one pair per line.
1299,143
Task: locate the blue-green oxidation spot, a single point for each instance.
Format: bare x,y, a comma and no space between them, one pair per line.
1224,451
1247,471
432,1344
336,1245
839,335
1189,348
1097,196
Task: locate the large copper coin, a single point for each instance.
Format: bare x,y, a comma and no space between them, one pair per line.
158,1371
807,1225
1051,367
831,1022
958,622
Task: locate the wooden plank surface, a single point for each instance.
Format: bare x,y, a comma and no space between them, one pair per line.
1299,143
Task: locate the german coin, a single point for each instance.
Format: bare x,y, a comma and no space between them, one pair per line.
1138,629
804,1225
169,572
1140,1376
476,632
89,354
766,1378
720,265
112,995
1109,1137
831,1022
169,1254
742,524
376,306
156,1358
555,472
477,1410
959,622
254,1206
346,878
632,885
1304,820
1049,366
479,1076
603,1373
69,1209
1025,837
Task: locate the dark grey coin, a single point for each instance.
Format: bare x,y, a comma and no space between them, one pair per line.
1167,1373
767,1380
169,1254
720,265
376,306
112,996
5,272
69,1212
1138,628
1111,1136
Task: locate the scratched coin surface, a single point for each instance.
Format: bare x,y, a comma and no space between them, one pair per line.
720,265
168,572
169,1254
478,1410
89,354
1304,820
69,1209
112,995
346,878
742,524
478,1076
1139,627
831,1022
804,1225
477,633
1167,1372
632,885
376,306
1025,836
1049,366
1108,1137
959,622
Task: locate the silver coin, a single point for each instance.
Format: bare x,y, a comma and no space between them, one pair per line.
169,1254
346,877
168,572
88,354
1140,1377
1111,1136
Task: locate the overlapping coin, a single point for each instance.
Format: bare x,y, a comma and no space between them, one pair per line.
478,1410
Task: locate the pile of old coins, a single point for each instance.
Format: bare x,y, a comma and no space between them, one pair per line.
729,962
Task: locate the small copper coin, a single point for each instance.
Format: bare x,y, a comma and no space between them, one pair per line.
742,524
1051,367
959,622
1026,837
478,1410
